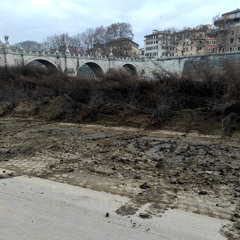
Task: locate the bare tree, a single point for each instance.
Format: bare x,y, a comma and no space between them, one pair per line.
82,42
57,40
119,30
100,35
28,45
87,38
102,38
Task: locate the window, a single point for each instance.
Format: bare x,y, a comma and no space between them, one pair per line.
238,48
232,32
230,49
238,40
231,40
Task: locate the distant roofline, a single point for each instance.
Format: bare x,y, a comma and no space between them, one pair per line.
156,33
201,28
234,11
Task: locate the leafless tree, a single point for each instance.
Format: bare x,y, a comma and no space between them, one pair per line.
57,40
28,45
100,36
119,30
84,41
87,38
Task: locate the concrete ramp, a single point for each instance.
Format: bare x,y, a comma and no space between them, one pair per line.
34,208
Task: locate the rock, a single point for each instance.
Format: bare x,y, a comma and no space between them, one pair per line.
144,186
159,164
126,210
145,215
107,214
236,215
180,182
173,181
202,192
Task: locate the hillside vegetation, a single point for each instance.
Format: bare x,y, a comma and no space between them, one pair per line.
119,98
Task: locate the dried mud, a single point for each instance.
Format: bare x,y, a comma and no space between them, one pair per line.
158,169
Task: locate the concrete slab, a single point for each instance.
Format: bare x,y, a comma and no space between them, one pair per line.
34,208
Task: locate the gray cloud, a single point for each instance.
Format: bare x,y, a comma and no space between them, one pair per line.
35,19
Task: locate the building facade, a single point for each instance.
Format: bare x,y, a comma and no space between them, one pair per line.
122,47
168,44
211,44
190,41
224,37
228,31
158,44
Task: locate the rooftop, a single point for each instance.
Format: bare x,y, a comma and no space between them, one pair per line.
232,12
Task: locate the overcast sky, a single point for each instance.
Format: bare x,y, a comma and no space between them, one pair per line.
36,19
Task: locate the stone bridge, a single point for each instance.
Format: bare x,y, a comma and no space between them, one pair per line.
72,64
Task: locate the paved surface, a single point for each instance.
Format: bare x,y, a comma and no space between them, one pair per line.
34,208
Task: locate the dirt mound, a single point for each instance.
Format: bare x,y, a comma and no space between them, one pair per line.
59,108
198,120
26,109
64,108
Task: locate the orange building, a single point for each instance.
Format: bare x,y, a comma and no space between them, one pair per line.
211,44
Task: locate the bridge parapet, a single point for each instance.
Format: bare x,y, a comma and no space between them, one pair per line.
57,54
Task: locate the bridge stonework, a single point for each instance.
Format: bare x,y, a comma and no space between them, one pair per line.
71,63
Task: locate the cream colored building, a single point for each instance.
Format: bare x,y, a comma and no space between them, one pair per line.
166,44
190,41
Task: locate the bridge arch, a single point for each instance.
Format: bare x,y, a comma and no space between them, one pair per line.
90,69
50,64
132,69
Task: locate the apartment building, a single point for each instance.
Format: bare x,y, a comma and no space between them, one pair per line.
158,44
225,37
228,31
166,44
191,41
